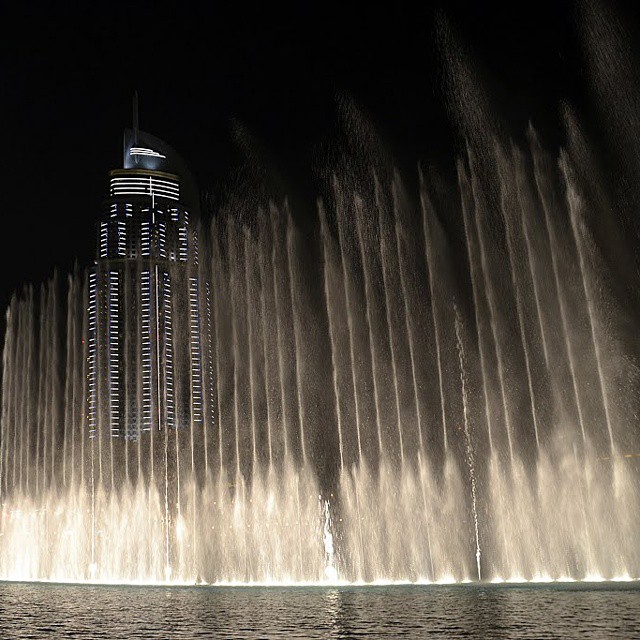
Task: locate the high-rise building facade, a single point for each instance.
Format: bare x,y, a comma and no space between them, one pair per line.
145,359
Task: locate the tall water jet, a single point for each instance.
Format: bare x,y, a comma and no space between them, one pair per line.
431,269
348,298
297,333
490,294
385,266
369,301
467,437
507,205
545,193
408,325
330,314
479,322
574,204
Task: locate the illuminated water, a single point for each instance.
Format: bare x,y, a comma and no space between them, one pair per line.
515,613
339,449
430,381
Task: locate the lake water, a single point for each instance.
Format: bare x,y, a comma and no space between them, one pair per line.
46,610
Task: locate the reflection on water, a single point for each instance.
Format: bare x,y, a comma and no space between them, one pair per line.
567,611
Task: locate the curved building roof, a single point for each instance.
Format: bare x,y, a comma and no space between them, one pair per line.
144,151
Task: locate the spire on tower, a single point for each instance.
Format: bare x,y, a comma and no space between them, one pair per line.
135,117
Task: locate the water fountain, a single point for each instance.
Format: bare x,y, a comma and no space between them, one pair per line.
437,382
368,428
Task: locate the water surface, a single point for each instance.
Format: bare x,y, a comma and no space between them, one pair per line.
46,610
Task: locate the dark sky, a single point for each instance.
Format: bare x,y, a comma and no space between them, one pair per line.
68,78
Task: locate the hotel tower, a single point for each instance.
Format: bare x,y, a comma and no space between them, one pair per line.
145,352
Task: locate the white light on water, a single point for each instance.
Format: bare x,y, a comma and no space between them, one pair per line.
622,578
545,578
331,574
331,579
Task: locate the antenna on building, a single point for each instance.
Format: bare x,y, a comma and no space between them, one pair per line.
135,117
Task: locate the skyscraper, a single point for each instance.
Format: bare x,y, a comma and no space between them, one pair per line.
145,361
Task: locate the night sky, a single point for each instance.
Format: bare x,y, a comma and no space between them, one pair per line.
68,80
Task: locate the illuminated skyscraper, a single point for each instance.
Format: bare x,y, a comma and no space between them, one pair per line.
145,364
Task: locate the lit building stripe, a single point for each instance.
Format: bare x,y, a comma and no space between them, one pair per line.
103,240
211,370
114,352
162,240
183,251
91,369
122,238
145,238
145,185
168,351
144,151
145,294
194,346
